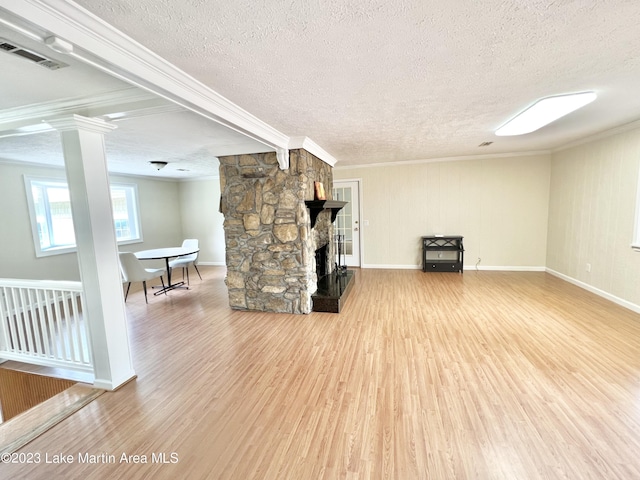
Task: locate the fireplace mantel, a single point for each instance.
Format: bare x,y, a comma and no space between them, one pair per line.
316,206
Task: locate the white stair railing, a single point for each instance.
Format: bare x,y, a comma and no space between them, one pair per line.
41,322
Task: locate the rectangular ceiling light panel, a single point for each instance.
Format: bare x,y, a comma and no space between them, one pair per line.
545,111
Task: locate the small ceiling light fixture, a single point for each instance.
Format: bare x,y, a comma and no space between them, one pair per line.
543,112
157,164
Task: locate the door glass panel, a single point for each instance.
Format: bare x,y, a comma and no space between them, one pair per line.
344,220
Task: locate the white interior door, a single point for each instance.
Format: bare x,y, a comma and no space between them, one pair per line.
348,220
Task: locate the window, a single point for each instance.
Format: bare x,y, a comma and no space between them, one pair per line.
124,201
52,223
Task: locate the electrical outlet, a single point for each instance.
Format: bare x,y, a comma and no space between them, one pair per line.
588,267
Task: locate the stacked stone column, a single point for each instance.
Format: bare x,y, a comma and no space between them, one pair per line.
270,246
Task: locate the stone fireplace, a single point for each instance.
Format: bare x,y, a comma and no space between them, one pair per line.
271,246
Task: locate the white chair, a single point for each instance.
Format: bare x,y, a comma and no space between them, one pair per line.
186,260
133,271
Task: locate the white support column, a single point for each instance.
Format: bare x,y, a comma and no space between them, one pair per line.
86,167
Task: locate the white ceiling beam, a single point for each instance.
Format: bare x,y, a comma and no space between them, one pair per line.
127,100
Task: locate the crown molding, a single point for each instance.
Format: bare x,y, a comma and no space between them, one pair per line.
21,163
99,44
448,159
313,148
136,176
139,176
206,178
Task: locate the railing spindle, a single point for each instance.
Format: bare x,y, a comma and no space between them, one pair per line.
4,319
42,325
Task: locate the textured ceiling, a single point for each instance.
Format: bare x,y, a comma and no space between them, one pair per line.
368,81
384,81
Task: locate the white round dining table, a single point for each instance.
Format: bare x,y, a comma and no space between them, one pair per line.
166,253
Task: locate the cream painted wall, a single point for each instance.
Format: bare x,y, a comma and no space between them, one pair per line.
159,210
199,204
499,205
592,213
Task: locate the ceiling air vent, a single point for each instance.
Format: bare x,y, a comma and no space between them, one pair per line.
29,55
485,144
6,46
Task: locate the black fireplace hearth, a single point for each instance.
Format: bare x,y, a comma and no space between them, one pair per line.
334,280
332,291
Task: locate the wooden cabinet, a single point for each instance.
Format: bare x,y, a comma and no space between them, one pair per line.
442,254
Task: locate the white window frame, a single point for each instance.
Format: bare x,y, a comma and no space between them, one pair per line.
133,207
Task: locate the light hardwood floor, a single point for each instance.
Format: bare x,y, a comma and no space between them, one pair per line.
486,375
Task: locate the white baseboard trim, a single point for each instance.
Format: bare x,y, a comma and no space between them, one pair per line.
391,267
467,268
506,268
114,384
620,301
212,264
